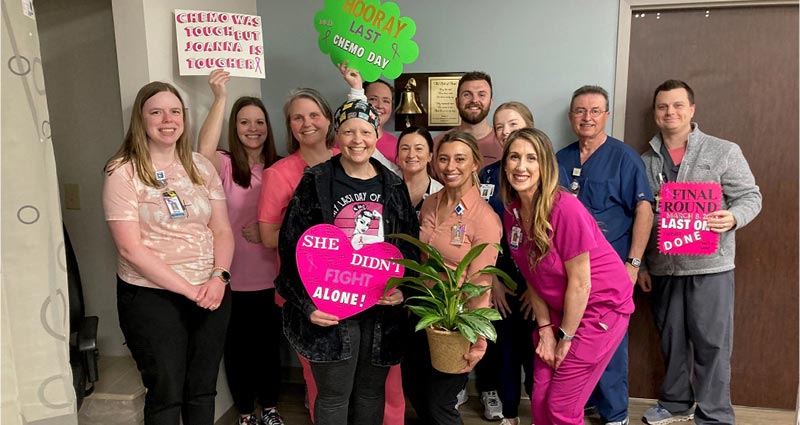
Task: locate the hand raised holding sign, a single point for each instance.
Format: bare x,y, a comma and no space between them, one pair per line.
351,75
217,80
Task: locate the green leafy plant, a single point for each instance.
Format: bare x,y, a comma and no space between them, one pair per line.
440,300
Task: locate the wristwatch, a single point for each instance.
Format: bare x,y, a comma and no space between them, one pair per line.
563,335
222,274
635,262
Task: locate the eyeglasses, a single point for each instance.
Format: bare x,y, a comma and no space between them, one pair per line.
594,112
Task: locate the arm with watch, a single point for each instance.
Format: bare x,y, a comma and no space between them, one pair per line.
210,294
640,233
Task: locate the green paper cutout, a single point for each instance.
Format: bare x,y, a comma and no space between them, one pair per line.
371,36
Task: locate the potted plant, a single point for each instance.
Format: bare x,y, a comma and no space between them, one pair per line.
440,301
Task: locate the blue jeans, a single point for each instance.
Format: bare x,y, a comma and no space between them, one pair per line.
177,347
354,377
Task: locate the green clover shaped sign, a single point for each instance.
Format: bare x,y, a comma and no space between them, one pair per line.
371,36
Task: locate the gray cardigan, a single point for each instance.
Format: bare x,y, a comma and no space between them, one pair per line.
707,159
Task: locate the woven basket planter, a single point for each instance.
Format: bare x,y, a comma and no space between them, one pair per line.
447,350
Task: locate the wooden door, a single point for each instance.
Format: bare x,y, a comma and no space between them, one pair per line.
743,66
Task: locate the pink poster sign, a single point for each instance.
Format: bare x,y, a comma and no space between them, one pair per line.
682,226
341,280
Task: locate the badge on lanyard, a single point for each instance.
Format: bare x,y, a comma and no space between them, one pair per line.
174,204
459,230
516,233
516,237
487,190
161,178
575,187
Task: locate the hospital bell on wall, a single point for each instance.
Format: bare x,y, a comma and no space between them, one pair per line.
408,102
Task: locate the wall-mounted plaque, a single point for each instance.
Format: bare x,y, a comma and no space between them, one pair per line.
436,94
442,109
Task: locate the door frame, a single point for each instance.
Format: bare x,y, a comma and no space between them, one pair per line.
626,8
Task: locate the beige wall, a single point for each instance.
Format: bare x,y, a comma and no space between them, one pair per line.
78,58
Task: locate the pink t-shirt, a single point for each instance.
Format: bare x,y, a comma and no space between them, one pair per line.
279,182
185,244
491,149
574,232
387,145
481,225
254,266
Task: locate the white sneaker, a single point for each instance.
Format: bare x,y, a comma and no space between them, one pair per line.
461,398
493,407
507,421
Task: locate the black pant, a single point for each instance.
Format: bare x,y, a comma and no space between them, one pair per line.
252,350
177,347
432,393
515,351
355,379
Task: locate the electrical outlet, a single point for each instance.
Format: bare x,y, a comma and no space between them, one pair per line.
72,196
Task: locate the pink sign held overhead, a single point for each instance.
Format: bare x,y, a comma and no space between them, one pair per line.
341,280
682,225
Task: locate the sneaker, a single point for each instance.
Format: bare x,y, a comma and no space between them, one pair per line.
625,421
493,407
248,420
657,415
271,417
461,398
511,421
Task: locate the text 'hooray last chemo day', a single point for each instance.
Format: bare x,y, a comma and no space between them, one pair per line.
211,40
371,36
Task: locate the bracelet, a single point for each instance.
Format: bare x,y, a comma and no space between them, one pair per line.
544,326
220,268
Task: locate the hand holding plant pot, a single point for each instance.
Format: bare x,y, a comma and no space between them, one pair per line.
439,298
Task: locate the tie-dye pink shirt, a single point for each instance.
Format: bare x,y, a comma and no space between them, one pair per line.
185,244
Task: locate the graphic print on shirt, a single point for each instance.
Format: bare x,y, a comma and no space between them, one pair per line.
360,216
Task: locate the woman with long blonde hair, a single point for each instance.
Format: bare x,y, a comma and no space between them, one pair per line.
577,284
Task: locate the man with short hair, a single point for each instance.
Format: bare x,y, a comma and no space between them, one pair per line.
693,295
609,178
474,101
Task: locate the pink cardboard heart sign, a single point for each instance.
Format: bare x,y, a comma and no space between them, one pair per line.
341,280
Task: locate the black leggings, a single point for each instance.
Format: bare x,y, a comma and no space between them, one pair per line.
252,350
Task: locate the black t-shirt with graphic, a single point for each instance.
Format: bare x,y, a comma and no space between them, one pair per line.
358,207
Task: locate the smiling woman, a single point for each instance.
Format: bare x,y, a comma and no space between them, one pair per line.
577,286
364,199
253,374
453,220
165,207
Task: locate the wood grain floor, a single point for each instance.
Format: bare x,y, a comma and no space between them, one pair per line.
294,413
